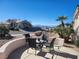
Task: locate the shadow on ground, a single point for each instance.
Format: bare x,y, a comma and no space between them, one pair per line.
65,55
62,54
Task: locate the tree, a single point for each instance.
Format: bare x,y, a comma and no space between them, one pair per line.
64,30
61,28
3,31
69,30
62,18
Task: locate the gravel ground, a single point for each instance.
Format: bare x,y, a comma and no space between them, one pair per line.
72,46
2,42
15,34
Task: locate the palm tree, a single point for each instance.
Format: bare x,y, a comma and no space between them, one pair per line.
62,18
64,30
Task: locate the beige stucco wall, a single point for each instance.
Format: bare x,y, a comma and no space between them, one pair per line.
76,23
10,46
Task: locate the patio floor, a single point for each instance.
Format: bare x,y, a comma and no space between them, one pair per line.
64,53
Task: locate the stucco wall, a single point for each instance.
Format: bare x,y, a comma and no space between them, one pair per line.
76,23
10,46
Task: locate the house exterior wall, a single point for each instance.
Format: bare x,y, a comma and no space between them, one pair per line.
76,23
76,20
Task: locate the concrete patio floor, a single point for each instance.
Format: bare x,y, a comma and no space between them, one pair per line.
64,53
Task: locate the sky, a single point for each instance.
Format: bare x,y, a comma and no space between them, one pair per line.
38,12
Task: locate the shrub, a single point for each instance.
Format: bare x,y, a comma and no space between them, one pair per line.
3,31
77,43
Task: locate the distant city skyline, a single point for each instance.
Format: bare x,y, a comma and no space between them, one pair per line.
38,12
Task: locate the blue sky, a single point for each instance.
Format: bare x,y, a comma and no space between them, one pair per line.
38,12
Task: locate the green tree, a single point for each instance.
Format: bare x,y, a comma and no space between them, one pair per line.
3,31
64,29
61,28
61,19
68,31
65,32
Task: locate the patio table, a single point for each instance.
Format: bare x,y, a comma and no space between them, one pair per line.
41,42
35,41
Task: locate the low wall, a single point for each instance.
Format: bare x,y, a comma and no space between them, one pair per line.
10,46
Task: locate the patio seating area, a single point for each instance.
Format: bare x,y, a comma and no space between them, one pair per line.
58,52
64,53
20,47
39,29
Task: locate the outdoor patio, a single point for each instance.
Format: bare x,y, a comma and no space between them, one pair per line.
63,53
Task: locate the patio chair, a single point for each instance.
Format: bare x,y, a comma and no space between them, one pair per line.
27,36
33,44
50,44
45,38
